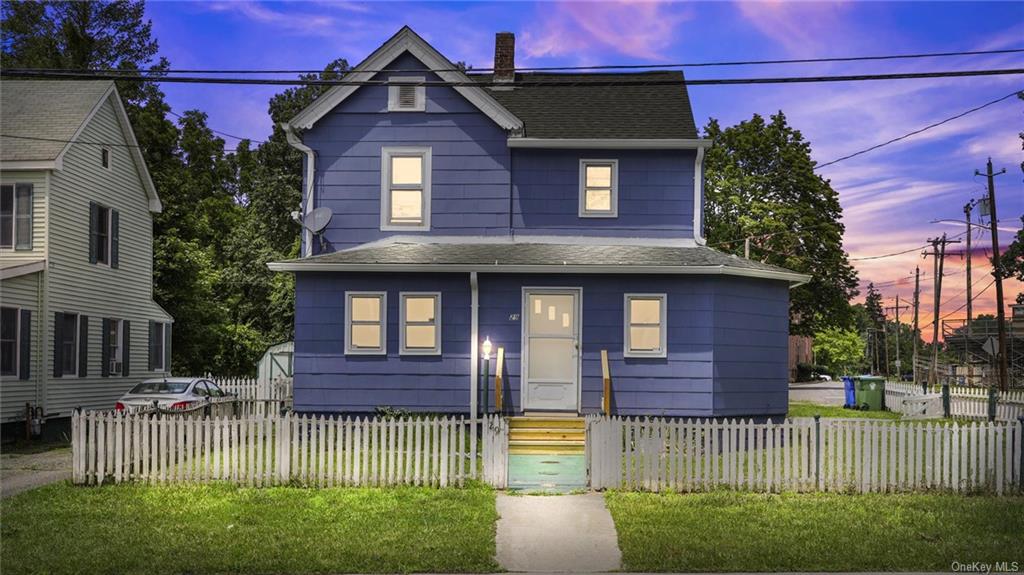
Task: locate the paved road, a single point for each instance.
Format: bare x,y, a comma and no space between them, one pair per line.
556,533
821,392
21,472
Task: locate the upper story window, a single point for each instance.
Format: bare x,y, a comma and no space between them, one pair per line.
105,157
104,226
405,96
16,216
599,188
365,323
645,325
420,323
405,188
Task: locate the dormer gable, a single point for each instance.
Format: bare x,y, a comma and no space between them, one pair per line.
369,70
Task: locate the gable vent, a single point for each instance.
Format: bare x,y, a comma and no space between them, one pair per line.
407,97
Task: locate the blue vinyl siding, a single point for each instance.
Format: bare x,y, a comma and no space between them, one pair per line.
727,340
470,188
655,193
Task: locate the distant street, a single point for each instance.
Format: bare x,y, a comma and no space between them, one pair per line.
823,392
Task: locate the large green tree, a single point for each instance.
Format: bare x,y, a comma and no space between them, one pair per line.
761,184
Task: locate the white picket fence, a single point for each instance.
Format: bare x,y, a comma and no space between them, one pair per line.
803,455
495,451
279,449
964,402
251,388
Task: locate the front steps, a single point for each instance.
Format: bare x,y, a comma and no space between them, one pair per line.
547,435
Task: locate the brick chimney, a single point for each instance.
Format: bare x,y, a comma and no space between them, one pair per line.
504,57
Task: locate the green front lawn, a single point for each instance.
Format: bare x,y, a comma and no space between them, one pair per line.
224,529
808,409
728,531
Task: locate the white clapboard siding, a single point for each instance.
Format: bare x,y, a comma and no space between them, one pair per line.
274,449
842,455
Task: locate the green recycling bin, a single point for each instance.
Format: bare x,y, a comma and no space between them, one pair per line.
869,391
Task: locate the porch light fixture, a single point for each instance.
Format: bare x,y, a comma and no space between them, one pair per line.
486,347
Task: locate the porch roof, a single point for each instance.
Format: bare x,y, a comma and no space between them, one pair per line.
539,258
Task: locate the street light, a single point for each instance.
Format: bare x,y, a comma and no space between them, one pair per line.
486,348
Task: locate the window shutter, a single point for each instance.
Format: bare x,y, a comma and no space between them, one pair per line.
83,346
58,338
23,225
152,342
94,230
115,216
105,349
25,341
126,351
167,347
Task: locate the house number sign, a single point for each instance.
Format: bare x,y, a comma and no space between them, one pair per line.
513,317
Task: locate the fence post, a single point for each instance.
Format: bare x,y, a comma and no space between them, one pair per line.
945,399
992,400
817,451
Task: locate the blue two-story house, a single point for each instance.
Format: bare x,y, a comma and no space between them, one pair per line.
555,215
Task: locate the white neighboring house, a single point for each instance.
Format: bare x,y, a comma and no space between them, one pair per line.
78,324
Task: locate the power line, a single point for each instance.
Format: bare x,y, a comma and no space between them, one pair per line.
521,84
86,142
177,115
976,296
900,253
915,132
557,68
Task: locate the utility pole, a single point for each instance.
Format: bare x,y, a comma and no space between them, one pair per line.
996,270
967,217
917,305
897,309
939,253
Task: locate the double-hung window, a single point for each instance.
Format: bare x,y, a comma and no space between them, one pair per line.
420,323
115,346
366,323
405,188
599,188
9,330
16,216
645,325
69,347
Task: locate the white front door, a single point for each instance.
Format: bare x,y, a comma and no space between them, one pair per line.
551,350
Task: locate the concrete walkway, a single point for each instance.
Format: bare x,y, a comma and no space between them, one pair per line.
821,392
561,533
21,472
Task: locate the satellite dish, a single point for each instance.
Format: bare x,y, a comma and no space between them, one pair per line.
316,220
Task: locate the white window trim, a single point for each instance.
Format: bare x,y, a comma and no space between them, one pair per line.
421,94
110,237
583,212
17,342
386,153
110,158
14,217
436,350
349,349
161,367
77,347
120,345
663,299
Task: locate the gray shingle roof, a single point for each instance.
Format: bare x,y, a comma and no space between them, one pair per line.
594,109
51,109
539,254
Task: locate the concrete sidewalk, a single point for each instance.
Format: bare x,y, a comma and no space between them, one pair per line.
556,534
21,472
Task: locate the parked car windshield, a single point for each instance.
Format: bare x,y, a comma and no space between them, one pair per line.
168,387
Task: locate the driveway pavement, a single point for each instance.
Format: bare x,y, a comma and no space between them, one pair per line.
821,392
559,533
21,472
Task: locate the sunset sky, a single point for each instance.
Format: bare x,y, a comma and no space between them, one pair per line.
889,196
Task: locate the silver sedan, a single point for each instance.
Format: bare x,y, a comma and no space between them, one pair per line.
170,393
